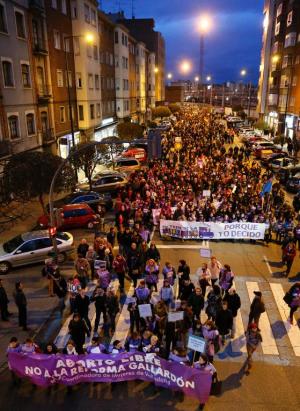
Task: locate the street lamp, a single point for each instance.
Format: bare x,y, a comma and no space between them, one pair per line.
89,38
210,87
169,76
196,79
204,26
156,70
185,66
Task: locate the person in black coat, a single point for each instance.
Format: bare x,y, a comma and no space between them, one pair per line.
83,247
134,263
183,273
257,307
187,290
82,303
234,304
21,303
78,330
196,302
224,320
153,253
99,297
3,303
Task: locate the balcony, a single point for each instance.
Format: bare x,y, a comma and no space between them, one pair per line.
39,47
48,136
5,148
44,94
36,5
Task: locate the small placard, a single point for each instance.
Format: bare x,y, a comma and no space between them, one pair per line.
196,343
175,316
205,252
145,310
206,193
130,300
99,264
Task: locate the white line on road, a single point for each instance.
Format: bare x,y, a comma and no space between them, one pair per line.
268,265
293,331
268,344
238,344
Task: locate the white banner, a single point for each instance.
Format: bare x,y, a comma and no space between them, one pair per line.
188,230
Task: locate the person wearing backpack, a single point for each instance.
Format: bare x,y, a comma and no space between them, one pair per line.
292,298
212,338
256,309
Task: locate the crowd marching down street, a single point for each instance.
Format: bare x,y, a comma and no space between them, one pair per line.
207,303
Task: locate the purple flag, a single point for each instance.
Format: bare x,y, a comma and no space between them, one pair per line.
46,370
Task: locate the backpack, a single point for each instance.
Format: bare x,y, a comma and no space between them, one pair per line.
217,343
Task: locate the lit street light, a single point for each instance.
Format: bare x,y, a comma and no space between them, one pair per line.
156,70
196,79
169,76
204,25
185,67
243,74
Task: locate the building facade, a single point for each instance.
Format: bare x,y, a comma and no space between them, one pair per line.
279,91
62,69
122,71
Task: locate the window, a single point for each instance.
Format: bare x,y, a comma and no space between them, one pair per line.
3,21
93,17
116,61
116,37
78,80
292,101
13,125
25,75
60,78
290,39
289,19
74,11
95,48
294,82
117,84
62,114
76,47
275,47
54,4
80,113
86,13
63,6
56,37
92,111
67,44
7,73
89,50
297,59
69,78
30,124
90,81
277,28
20,24
279,10
98,110
97,84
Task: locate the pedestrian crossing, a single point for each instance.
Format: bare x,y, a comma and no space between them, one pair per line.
281,340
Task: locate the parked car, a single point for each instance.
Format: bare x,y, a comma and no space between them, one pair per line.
33,247
108,181
90,198
293,183
273,156
72,216
296,202
286,172
127,164
278,163
135,152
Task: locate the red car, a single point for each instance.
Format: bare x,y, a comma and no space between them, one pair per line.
72,216
138,153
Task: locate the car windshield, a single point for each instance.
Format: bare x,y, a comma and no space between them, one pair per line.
63,236
11,245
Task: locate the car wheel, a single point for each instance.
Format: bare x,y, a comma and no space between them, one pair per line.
4,267
61,258
90,224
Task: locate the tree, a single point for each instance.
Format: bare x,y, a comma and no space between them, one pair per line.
129,131
85,156
161,111
174,108
29,174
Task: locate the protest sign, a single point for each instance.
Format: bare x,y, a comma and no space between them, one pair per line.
175,316
145,310
205,252
99,264
46,370
196,343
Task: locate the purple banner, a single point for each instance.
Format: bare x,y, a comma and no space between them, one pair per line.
46,370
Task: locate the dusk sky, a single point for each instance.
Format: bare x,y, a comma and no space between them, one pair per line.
233,43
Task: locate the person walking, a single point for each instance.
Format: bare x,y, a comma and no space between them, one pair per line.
196,302
3,303
204,276
21,303
204,364
257,307
294,303
82,303
224,321
113,307
214,267
234,304
253,339
120,266
99,298
78,330
226,279
289,253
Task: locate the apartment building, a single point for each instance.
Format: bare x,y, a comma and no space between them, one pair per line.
86,42
279,86
150,83
107,83
26,121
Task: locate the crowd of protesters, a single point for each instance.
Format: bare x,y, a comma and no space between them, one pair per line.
210,303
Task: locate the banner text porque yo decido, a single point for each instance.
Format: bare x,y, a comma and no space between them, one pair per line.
212,231
45,370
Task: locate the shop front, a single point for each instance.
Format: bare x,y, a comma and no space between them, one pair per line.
291,122
108,128
65,143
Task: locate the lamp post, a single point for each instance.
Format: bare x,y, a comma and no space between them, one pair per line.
210,87
243,74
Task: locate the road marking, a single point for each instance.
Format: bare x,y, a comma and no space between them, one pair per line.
268,265
268,344
293,331
238,344
187,246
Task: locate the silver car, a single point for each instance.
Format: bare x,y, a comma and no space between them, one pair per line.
33,247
